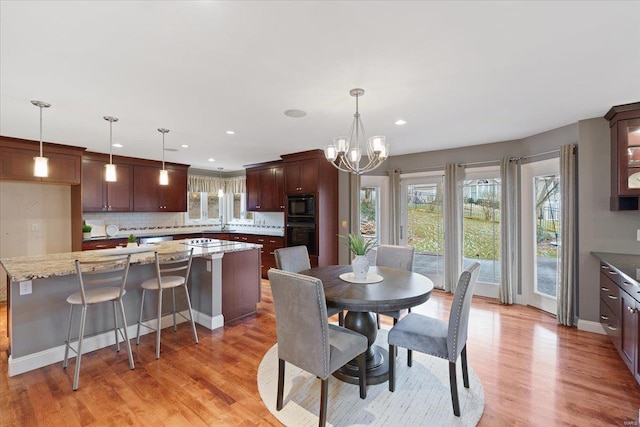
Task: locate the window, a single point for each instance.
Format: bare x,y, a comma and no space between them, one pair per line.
370,212
481,222
239,207
203,208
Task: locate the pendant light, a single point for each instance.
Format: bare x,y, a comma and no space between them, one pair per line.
41,164
110,169
164,175
220,190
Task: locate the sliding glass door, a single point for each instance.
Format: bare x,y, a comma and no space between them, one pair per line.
422,224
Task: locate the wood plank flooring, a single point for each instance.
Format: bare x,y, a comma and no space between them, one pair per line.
534,373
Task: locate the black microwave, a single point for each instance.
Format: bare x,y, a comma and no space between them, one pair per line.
301,207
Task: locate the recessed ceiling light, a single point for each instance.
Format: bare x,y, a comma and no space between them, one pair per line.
184,146
212,159
296,114
230,132
400,122
117,145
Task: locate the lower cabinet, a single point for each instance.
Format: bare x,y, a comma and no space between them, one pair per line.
240,284
103,244
269,245
619,316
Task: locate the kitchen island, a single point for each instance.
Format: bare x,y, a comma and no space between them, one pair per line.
224,285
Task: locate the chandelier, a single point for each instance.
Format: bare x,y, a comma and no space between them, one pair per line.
346,153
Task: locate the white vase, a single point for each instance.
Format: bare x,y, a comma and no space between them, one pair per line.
360,265
86,235
132,245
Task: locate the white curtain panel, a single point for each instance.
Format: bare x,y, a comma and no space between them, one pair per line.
453,174
394,211
236,185
354,182
567,259
509,242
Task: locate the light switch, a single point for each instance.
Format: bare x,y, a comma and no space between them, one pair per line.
209,266
25,287
638,235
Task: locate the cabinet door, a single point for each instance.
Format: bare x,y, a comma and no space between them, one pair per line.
628,133
93,186
146,189
266,190
292,177
629,326
253,189
120,193
174,195
17,164
278,189
308,175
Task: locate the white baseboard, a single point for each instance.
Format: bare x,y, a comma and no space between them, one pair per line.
591,326
37,360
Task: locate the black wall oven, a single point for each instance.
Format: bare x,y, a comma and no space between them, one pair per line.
302,233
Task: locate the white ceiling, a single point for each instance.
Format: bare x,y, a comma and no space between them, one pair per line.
460,73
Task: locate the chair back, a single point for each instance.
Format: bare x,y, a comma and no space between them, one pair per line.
173,264
301,321
400,257
108,272
460,308
293,259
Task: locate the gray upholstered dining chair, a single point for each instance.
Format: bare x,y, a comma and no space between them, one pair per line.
306,339
400,257
172,271
296,259
99,281
437,337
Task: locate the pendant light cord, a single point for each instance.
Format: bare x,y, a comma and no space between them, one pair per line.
40,130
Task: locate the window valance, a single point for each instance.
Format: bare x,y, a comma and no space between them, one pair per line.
211,184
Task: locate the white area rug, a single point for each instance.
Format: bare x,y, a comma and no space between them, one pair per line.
422,396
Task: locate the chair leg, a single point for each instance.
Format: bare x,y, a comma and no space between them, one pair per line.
66,349
115,327
126,335
159,324
173,303
378,320
409,358
140,318
280,384
193,324
324,396
454,389
362,366
392,367
341,318
76,376
465,371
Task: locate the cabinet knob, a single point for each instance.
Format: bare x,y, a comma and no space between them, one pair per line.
605,267
612,328
627,283
613,273
632,310
603,317
605,289
612,297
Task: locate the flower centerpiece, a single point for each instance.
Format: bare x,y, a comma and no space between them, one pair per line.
359,245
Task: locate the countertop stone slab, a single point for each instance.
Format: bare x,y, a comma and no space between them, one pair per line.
63,264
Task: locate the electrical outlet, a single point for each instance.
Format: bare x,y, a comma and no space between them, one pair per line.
35,227
209,266
25,287
638,235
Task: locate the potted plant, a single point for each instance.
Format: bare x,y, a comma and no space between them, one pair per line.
359,245
86,231
132,241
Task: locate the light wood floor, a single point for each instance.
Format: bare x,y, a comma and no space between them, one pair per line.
534,372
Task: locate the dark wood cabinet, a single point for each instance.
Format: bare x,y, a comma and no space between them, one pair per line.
16,161
619,315
301,176
103,244
99,195
264,187
267,253
240,284
624,121
308,172
150,196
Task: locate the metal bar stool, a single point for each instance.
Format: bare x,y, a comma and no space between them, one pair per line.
100,281
172,271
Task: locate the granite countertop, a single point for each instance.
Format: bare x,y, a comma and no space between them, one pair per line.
243,229
63,264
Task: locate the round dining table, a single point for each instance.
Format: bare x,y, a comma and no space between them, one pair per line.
394,289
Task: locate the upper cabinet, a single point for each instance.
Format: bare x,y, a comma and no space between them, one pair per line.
16,161
624,121
99,195
300,174
150,196
265,187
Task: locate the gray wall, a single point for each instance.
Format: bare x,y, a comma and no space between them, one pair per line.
598,228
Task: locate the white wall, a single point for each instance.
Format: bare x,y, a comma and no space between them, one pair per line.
35,219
